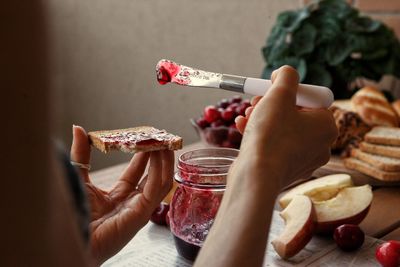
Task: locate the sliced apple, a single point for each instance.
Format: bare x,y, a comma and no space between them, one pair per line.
318,189
351,205
299,218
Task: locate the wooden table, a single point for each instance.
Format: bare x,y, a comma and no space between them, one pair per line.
383,220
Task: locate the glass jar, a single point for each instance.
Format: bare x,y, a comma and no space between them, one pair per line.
201,181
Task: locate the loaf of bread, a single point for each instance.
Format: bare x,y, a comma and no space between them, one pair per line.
396,107
384,136
351,128
368,169
383,150
130,140
373,107
381,162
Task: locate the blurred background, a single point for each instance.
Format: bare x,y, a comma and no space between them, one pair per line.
104,55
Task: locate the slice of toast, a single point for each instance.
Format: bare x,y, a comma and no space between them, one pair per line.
384,136
381,162
131,140
383,150
363,167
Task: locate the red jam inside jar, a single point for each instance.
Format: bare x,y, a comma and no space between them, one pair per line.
201,181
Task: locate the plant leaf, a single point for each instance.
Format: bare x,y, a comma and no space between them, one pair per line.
303,40
317,74
338,51
266,74
362,24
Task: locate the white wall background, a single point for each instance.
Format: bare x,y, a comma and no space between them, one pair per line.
105,52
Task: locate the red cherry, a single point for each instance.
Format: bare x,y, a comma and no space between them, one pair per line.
234,136
228,114
241,109
211,114
224,103
202,123
388,253
348,237
217,123
233,106
246,102
227,144
236,99
159,215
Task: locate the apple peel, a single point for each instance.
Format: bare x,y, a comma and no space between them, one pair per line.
299,217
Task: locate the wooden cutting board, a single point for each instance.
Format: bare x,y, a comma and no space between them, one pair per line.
335,165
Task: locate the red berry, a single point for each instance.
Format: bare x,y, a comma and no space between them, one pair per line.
247,102
202,123
224,103
216,136
227,144
228,114
159,215
388,253
348,237
234,136
241,109
211,114
217,123
233,106
236,99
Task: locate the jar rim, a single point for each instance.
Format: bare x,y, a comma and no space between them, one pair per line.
199,166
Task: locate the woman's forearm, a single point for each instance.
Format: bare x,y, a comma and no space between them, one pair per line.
240,231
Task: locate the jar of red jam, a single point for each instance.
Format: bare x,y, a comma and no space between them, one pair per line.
201,181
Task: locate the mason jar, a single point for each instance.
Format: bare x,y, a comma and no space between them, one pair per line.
201,179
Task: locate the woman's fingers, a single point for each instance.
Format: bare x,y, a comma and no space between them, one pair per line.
80,149
154,178
136,168
168,162
131,176
240,123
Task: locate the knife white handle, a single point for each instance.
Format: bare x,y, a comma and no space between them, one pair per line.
309,96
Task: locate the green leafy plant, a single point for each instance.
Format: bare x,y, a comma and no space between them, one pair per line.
330,43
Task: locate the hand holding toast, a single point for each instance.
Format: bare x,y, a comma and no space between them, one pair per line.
117,215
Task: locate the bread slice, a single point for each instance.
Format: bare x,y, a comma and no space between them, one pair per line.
373,107
383,150
363,167
381,162
384,136
130,140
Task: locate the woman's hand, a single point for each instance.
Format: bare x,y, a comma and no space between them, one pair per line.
117,215
280,143
296,140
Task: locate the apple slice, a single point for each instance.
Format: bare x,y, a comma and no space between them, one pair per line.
350,206
318,189
299,217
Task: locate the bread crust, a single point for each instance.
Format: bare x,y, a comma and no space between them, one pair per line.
373,107
383,150
383,136
363,167
162,141
380,162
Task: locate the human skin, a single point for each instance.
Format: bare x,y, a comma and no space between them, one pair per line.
118,214
281,143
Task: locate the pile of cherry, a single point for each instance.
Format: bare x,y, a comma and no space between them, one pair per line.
217,124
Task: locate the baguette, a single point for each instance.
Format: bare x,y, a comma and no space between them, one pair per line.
363,167
131,140
383,150
381,162
384,136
